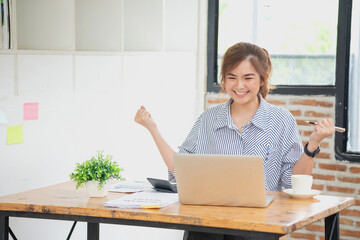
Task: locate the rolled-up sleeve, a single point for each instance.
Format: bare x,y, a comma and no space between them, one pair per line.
189,145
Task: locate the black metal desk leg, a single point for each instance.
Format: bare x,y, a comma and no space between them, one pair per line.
71,230
4,227
93,231
332,231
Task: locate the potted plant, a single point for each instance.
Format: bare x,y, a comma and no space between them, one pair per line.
96,173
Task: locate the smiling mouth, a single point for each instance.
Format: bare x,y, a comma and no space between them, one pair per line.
240,93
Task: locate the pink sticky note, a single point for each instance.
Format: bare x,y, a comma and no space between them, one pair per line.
31,111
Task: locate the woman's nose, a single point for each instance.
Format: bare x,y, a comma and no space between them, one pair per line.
240,83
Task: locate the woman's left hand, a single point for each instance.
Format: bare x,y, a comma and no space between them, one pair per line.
323,129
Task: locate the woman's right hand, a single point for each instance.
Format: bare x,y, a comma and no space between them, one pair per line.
143,117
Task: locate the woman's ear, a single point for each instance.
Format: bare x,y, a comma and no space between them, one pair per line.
262,82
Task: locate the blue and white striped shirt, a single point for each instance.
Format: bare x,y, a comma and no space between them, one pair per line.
272,133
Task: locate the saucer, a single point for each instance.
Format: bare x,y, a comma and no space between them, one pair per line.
310,194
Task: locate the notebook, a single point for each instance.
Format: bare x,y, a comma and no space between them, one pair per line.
225,180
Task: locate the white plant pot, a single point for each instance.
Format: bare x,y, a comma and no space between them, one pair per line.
93,191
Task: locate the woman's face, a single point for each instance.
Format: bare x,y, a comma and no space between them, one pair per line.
243,83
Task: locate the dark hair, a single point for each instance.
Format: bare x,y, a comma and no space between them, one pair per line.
258,57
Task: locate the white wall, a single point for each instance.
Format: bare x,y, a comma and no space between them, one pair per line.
87,102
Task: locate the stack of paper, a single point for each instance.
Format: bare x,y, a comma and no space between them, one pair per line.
148,199
130,187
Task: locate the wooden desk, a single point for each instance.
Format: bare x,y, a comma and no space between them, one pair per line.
283,216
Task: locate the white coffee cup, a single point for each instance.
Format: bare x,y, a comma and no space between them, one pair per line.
301,184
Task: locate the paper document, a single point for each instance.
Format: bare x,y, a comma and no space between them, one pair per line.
148,199
130,187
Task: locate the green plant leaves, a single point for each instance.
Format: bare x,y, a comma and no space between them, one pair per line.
99,168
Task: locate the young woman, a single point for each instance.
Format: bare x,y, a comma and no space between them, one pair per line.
247,124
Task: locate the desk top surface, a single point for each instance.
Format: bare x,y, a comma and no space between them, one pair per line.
284,215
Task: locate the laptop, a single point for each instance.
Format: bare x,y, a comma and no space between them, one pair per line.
224,180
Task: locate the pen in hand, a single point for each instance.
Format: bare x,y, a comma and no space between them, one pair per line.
338,129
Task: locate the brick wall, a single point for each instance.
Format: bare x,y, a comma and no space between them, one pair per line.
331,176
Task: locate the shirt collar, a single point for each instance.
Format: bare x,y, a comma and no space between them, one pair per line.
223,115
259,120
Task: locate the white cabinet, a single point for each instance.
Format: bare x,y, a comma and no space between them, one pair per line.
45,24
106,25
98,25
143,25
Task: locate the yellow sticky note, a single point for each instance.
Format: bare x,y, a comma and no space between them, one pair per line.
149,206
15,135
